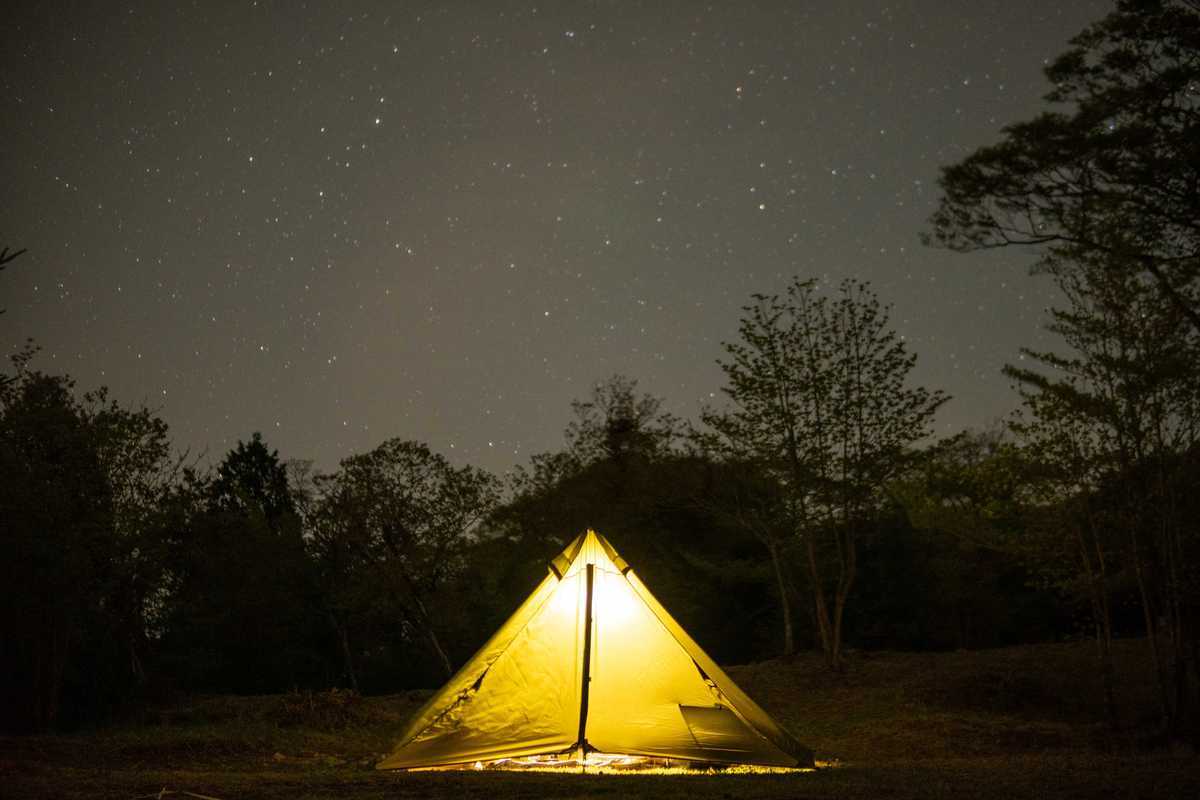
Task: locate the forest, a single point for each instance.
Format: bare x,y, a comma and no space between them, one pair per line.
809,509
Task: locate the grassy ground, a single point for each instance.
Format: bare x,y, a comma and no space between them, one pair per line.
1018,722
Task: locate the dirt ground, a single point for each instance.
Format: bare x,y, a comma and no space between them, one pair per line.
1011,723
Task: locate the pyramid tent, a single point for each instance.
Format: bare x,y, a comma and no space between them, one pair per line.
592,664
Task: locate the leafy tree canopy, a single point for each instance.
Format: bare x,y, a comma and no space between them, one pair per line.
252,478
1112,175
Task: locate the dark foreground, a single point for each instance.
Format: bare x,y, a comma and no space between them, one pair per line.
1007,723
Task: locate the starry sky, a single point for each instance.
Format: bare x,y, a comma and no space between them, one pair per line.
338,223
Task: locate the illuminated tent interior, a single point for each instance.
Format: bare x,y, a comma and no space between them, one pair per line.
592,670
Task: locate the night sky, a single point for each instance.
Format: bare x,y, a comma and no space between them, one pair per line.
340,223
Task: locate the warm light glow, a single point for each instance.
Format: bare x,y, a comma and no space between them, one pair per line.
565,602
593,759
612,599
618,764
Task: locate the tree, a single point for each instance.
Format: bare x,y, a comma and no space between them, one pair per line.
615,449
57,543
819,397
745,495
970,485
343,564
1114,178
142,474
618,424
1107,188
253,479
243,597
1032,499
407,514
1117,417
79,512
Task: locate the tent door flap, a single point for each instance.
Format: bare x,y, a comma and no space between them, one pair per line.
718,729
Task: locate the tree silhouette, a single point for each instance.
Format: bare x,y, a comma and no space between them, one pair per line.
819,397
79,524
243,593
1112,179
616,423
1120,412
405,515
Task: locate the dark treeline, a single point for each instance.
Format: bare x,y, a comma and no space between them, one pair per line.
810,509
131,575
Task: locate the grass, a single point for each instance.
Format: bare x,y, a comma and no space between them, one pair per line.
1016,722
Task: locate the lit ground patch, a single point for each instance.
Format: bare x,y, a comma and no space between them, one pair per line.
616,764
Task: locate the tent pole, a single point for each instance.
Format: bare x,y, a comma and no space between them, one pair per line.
587,666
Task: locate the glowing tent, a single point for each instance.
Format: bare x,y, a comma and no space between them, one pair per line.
591,665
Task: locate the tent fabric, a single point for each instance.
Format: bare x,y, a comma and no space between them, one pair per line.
651,690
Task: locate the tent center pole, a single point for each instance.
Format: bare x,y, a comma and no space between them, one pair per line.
587,666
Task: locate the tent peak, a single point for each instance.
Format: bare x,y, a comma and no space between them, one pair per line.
588,547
